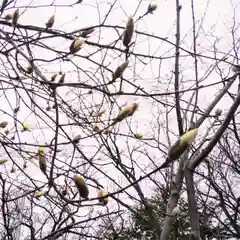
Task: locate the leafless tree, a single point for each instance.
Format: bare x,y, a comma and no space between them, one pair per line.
89,114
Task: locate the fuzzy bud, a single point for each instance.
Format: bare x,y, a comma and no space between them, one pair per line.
126,112
96,127
106,131
8,17
151,8
236,68
100,113
15,17
81,186
25,165
65,189
218,112
76,45
2,161
53,77
15,110
76,139
42,160
6,131
62,78
41,193
29,69
103,200
50,21
181,145
128,32
48,108
3,124
138,135
85,33
25,128
13,170
119,71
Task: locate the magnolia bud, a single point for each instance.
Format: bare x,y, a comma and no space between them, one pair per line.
64,192
6,131
126,112
85,33
102,199
29,69
119,71
50,21
106,131
76,139
41,193
15,110
218,112
13,170
25,165
25,128
236,68
138,135
48,108
62,78
53,77
8,17
151,8
76,45
180,146
81,185
42,160
15,17
100,113
96,127
3,124
2,161
128,32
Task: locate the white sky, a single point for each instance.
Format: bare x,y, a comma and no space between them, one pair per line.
214,21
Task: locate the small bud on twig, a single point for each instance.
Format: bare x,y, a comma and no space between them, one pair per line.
50,21
62,78
76,139
126,112
151,8
85,33
236,68
3,124
138,135
96,127
8,17
15,17
25,128
2,161
53,77
100,113
119,71
42,160
29,69
103,200
180,146
81,186
218,112
128,32
76,45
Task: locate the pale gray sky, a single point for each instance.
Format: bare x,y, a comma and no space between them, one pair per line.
214,21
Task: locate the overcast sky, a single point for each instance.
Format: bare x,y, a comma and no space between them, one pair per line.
214,22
